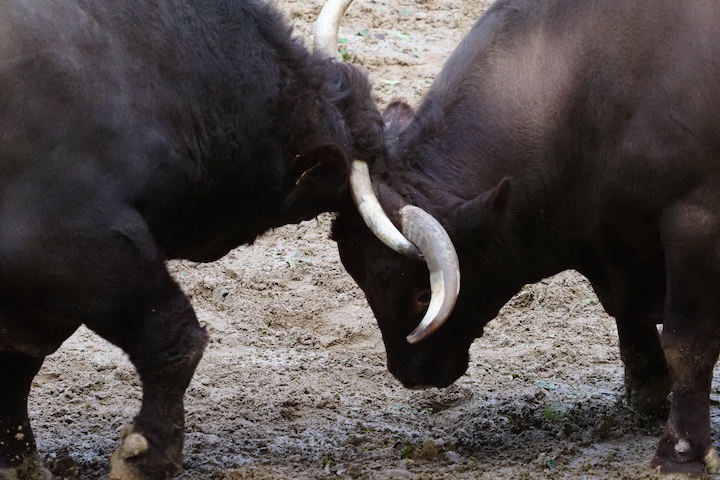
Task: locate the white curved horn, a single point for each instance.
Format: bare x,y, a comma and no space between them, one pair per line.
428,234
373,214
423,237
327,26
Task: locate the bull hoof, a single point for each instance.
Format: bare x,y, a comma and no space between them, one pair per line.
699,469
650,400
130,461
30,468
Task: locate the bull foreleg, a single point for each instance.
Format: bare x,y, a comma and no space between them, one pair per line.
647,380
165,352
147,315
18,456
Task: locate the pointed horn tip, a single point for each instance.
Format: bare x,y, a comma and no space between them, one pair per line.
417,336
435,243
428,327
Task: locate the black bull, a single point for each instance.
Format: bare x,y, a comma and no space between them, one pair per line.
567,134
131,132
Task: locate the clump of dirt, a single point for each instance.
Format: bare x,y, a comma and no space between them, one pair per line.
293,384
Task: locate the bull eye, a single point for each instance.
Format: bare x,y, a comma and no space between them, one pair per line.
421,299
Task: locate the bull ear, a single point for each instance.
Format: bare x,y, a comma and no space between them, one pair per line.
397,115
318,177
483,215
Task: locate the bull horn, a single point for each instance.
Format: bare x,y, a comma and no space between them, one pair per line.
373,214
327,26
420,228
422,238
428,234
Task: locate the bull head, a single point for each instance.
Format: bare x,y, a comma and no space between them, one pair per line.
422,236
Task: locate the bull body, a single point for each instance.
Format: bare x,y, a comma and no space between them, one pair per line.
132,132
565,134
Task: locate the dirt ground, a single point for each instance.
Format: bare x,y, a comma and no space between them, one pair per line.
293,384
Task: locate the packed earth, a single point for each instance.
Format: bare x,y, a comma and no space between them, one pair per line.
293,384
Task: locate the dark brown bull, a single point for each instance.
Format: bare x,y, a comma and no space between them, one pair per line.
563,134
131,132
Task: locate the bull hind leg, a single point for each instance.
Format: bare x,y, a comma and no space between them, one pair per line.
18,455
691,336
647,379
686,446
